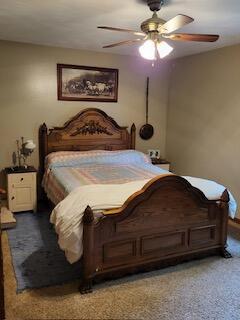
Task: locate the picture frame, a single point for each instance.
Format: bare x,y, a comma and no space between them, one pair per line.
84,83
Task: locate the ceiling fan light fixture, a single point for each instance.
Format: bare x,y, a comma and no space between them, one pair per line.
155,29
164,49
148,50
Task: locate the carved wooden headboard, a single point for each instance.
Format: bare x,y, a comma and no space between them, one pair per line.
91,129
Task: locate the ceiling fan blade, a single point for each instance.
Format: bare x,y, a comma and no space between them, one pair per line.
192,37
137,33
122,43
175,23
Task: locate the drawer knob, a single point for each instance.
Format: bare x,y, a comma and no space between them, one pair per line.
13,198
21,179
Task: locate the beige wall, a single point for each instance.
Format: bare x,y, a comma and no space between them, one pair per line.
203,130
203,114
28,93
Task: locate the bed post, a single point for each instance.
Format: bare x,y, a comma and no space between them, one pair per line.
42,147
133,136
224,209
43,143
88,225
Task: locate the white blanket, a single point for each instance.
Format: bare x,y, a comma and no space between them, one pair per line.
67,215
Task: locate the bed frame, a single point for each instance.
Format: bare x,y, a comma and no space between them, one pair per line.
167,222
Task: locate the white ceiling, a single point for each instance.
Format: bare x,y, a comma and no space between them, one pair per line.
73,23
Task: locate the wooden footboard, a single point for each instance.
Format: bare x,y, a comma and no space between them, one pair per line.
167,222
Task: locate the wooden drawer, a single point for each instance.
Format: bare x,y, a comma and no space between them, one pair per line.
22,178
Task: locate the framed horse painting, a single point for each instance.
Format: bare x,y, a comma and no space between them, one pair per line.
82,83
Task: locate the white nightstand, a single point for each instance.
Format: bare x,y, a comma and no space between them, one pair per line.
22,189
161,163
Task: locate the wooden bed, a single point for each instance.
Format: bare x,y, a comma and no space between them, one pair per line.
166,223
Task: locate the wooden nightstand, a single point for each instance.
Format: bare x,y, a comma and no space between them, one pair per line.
161,163
22,189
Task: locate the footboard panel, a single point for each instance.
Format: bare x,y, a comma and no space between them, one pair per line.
167,219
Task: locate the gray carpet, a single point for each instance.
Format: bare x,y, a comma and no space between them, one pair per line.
37,259
207,289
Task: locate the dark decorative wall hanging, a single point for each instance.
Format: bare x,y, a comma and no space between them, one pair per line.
146,131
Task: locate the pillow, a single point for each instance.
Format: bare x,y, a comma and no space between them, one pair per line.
78,158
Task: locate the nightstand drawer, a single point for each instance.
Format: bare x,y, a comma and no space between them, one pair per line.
21,178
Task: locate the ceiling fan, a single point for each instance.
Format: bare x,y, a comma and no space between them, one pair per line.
155,30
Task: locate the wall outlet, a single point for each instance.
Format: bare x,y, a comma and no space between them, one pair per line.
154,153
157,153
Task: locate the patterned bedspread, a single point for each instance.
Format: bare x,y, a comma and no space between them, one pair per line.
67,171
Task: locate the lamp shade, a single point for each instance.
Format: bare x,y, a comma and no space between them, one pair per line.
29,144
148,50
163,49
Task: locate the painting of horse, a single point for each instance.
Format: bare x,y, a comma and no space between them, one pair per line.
87,83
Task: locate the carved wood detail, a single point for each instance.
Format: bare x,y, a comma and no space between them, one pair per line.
164,242
115,252
91,127
202,235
